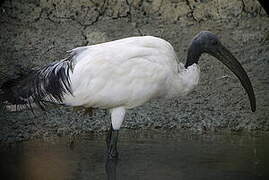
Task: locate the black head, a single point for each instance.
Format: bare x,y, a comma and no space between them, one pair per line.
207,42
203,42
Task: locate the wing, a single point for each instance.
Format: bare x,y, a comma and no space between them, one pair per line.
127,48
120,73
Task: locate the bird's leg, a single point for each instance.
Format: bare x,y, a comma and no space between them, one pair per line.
111,169
112,139
117,116
108,136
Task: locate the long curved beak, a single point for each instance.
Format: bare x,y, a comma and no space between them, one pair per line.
226,57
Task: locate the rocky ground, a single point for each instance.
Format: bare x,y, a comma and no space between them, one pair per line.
34,33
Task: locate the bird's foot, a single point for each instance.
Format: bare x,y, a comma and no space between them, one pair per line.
111,142
112,153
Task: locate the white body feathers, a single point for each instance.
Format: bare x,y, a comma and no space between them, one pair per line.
128,73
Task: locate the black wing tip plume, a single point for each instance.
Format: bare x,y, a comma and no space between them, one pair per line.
42,86
51,82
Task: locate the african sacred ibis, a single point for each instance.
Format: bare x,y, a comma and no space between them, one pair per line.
121,75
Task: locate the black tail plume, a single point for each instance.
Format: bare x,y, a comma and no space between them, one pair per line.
40,86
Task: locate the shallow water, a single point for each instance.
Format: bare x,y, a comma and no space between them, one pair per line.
144,154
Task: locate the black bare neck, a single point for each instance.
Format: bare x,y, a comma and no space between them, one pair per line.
194,53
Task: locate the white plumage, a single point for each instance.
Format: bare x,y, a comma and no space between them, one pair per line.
127,73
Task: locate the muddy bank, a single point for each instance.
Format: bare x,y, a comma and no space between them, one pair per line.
34,33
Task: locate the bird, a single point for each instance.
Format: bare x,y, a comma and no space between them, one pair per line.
120,75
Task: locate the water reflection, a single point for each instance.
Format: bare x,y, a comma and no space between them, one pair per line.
111,169
143,155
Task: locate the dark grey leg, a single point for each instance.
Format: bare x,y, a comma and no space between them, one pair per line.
111,169
111,140
108,136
